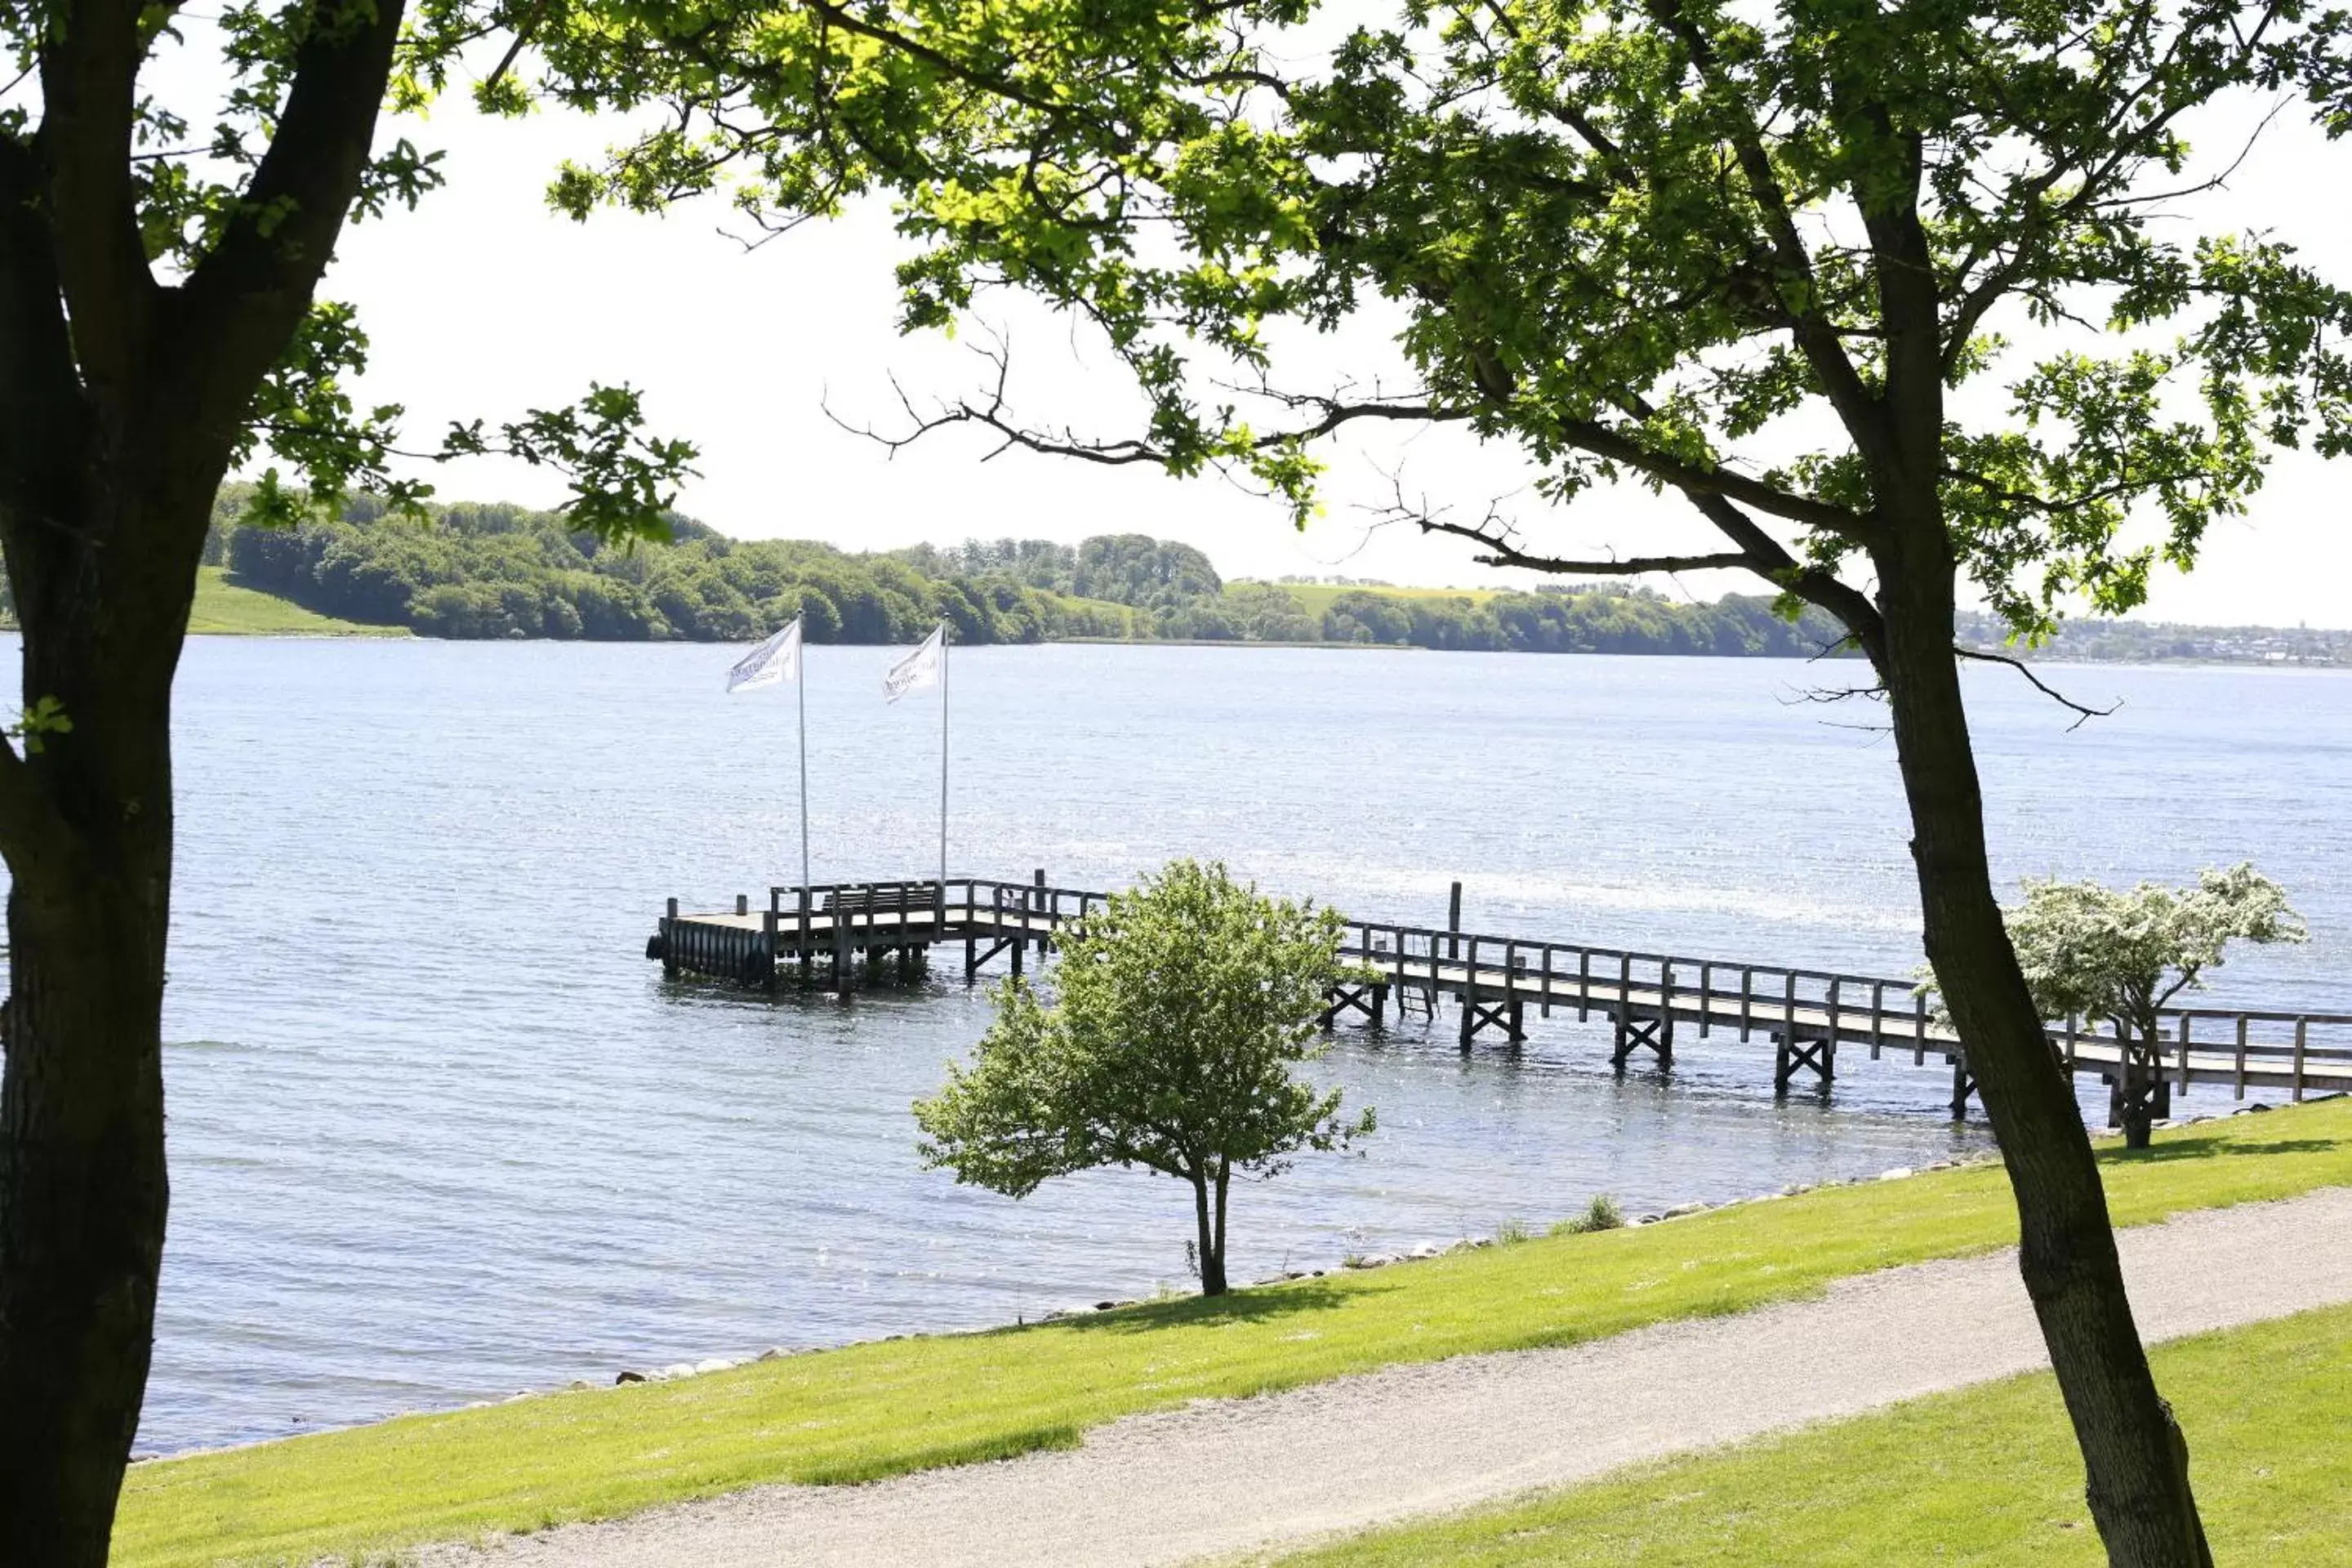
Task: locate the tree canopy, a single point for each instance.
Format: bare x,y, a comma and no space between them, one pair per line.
1901,299
2096,951
1632,240
1179,1012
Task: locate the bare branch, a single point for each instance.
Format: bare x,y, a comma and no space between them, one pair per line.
2084,712
1494,533
993,413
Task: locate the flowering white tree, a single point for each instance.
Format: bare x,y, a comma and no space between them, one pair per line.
2099,953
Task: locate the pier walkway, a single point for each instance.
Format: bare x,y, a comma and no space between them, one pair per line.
825,934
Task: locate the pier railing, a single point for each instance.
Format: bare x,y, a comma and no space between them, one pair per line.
1808,1013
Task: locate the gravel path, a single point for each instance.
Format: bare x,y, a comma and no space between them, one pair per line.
1230,1475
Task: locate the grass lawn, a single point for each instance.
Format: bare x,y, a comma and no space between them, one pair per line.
891,1406
1987,1477
223,607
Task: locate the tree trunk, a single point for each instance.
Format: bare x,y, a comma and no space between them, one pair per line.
2136,1460
2140,1094
1225,1180
1211,1239
83,1190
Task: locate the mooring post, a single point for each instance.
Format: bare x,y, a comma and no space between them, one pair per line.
742,903
1454,921
670,942
768,950
807,957
843,963
1038,878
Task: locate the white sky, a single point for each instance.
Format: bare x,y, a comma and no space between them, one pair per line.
483,302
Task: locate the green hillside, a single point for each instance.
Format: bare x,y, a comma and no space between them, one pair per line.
1316,599
223,608
475,571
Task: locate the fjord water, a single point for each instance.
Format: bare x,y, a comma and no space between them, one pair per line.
439,1133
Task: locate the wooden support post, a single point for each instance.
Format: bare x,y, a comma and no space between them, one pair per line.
1919,1028
1469,979
2301,1025
844,981
1453,920
1633,1033
1790,1053
1706,997
1379,1005
2241,1093
768,949
742,903
1878,1016
1545,1010
1039,882
806,956
669,942
1583,983
1747,1001
1964,1084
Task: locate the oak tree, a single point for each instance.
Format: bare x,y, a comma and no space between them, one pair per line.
1903,299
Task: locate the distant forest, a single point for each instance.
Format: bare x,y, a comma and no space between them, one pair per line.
489,571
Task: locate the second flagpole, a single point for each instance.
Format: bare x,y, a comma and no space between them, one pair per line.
801,688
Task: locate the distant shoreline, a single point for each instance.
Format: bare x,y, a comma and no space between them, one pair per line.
2044,660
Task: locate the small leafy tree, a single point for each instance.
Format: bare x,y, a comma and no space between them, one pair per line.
2100,953
1181,1009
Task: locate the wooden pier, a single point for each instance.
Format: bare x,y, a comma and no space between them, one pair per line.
828,935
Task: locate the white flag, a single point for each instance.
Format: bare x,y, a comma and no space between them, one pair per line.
777,660
920,668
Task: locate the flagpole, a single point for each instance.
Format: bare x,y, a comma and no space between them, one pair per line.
943,759
800,683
